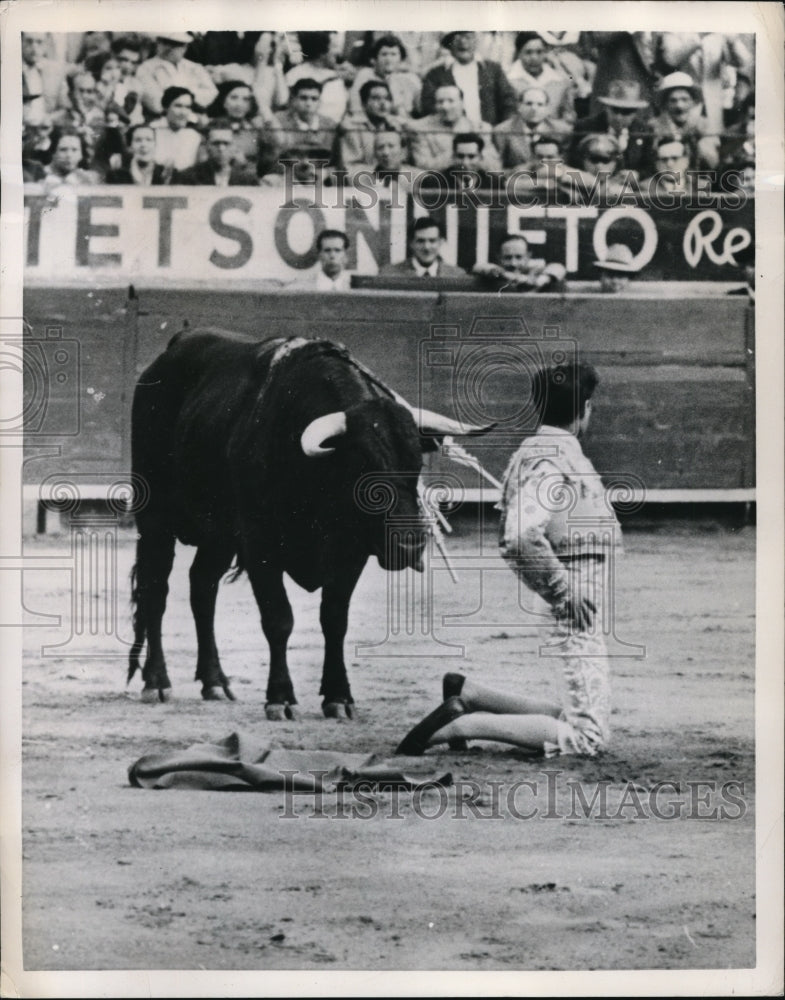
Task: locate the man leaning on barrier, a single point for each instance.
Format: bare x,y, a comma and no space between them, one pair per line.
518,271
556,530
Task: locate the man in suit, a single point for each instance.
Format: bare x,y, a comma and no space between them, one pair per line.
424,260
43,79
488,94
516,138
622,117
218,169
301,126
431,138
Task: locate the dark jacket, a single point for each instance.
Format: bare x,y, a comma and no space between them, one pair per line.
639,154
498,99
122,175
204,173
405,269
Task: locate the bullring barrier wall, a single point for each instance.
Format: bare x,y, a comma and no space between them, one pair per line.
674,414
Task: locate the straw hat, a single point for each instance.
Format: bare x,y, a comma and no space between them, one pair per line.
679,81
178,37
618,258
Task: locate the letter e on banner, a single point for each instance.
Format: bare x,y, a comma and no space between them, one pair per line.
696,240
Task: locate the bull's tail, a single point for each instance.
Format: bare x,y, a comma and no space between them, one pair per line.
140,628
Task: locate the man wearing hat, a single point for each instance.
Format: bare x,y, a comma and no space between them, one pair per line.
681,117
169,68
622,117
615,268
487,93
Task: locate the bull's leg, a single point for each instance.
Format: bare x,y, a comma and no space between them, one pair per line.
154,558
277,625
334,617
209,565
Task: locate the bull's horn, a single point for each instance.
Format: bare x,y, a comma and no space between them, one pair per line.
319,430
435,423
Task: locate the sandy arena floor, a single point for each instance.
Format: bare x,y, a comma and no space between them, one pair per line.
117,877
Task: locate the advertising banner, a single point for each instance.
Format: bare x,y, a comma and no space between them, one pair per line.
202,234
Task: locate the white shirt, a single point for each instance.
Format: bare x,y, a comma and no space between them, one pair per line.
432,271
466,77
341,283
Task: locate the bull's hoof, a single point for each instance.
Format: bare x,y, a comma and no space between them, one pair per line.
277,711
218,693
338,710
154,696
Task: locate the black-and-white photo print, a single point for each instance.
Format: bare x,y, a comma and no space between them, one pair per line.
391,408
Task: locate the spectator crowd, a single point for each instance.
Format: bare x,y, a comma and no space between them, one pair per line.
461,109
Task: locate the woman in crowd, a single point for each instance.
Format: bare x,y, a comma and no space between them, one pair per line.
388,65
68,162
236,103
532,69
177,142
84,114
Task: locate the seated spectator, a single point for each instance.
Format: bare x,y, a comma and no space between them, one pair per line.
127,92
465,172
431,137
331,275
388,56
220,168
595,167
68,162
515,138
254,58
424,261
110,148
85,115
616,267
622,117
737,147
105,70
300,128
39,140
33,172
530,69
43,79
543,171
566,54
487,93
302,165
266,78
673,172
357,132
322,63
169,68
141,167
516,271
389,155
237,105
177,142
680,117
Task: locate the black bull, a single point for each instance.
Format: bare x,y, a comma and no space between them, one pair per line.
275,454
